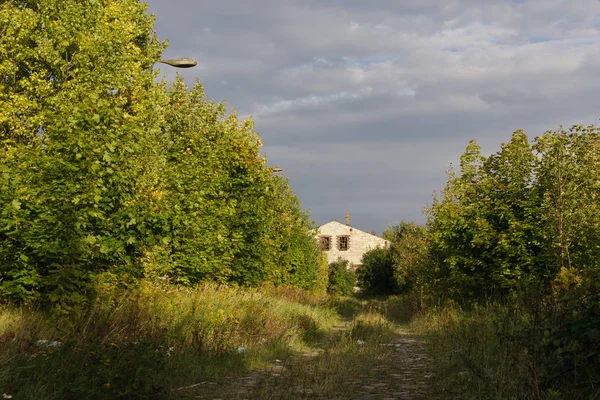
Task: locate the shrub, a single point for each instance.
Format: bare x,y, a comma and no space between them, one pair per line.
376,274
341,278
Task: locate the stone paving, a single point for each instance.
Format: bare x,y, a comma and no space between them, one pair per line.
402,373
405,375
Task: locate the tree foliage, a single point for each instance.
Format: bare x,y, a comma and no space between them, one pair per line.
517,218
521,228
76,149
409,253
341,279
103,170
375,275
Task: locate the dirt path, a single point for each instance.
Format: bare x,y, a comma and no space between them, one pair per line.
397,369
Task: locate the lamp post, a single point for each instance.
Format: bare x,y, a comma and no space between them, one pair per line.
276,169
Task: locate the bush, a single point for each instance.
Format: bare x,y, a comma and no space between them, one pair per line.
341,279
376,274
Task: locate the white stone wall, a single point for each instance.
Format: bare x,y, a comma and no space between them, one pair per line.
360,242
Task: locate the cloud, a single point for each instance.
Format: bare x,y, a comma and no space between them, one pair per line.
512,97
365,104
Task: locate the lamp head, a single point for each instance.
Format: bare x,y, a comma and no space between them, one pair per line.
180,62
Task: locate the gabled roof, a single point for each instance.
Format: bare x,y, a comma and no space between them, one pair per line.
334,223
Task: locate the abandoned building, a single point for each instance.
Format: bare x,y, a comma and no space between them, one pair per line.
339,240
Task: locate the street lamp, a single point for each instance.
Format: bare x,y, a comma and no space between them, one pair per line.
180,62
276,169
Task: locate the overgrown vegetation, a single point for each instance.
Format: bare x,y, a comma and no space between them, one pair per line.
503,351
342,278
151,339
509,267
104,171
158,341
123,203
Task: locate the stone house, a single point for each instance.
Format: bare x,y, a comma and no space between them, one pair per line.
339,240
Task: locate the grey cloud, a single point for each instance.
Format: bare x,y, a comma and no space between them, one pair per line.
364,105
512,97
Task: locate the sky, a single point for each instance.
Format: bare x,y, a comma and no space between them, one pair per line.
366,104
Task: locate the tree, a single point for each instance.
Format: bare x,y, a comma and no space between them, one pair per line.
194,205
518,217
512,212
375,275
296,257
341,278
104,171
459,233
409,252
78,143
224,216
569,187
483,228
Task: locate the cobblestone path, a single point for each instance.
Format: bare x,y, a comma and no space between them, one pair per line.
396,370
405,374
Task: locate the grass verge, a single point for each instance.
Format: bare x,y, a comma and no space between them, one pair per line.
342,365
502,352
149,341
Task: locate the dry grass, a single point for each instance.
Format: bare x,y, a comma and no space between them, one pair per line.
146,341
504,352
165,342
342,363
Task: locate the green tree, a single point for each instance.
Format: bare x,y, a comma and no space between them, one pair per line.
104,171
226,217
568,184
409,252
459,236
375,275
341,278
78,143
518,217
512,212
293,256
483,228
193,205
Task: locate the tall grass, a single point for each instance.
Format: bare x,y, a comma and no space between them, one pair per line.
399,309
507,352
349,360
147,341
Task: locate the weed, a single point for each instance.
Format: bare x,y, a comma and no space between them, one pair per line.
145,341
500,351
